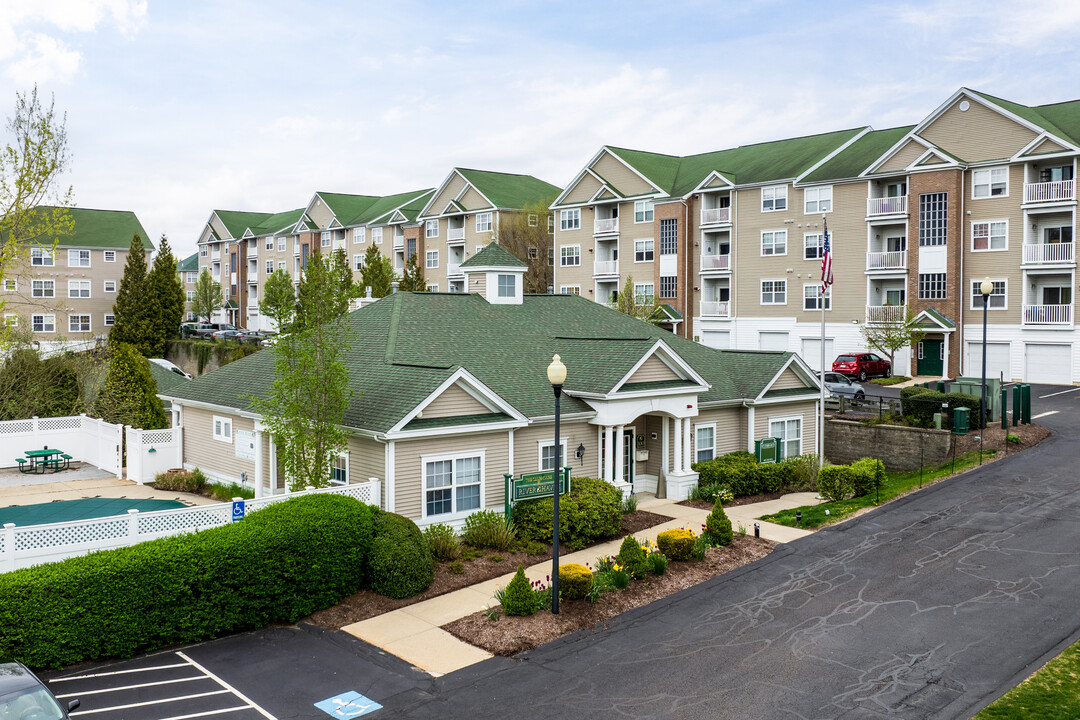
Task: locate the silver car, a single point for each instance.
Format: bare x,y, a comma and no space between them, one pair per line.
839,386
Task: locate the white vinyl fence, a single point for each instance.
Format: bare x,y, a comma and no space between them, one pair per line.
84,438
36,544
152,451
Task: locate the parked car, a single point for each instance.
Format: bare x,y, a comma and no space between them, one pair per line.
169,366
24,697
195,329
862,365
228,334
256,335
838,385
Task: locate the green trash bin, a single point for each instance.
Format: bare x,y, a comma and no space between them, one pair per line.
961,420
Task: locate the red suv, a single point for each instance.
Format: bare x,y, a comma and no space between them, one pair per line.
861,365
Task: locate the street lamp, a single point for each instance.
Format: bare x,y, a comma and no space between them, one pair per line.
985,288
556,373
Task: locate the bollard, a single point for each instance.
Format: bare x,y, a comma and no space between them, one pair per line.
1016,404
798,518
1025,394
757,530
1004,407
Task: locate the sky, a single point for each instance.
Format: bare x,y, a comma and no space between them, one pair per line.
179,107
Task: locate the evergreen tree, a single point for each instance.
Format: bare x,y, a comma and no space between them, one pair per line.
133,313
165,299
344,275
279,300
378,273
129,395
207,296
412,280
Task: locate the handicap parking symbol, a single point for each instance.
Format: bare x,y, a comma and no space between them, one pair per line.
348,705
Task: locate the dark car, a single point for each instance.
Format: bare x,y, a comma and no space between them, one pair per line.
255,335
24,697
195,329
228,334
862,365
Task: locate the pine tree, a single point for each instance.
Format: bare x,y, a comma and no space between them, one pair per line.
133,313
129,395
412,280
208,296
344,275
165,298
378,273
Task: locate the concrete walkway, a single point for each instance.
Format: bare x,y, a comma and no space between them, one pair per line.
77,488
414,633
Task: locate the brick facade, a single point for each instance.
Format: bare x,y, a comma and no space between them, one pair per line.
684,291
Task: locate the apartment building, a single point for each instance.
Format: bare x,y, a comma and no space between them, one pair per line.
64,288
187,270
731,241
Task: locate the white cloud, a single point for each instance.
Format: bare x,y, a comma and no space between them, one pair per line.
43,58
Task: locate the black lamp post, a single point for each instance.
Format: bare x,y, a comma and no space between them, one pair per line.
556,373
985,288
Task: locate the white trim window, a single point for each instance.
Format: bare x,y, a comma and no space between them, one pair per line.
191,296
643,211
110,319
431,228
813,245
774,292
110,286
507,286
545,454
78,323
78,288
998,299
324,238
569,289
204,251
11,285
773,242
358,235
774,198
817,200
11,320
79,258
43,323
281,243
431,259
433,287
570,255
269,242
110,256
644,250
812,297
704,442
192,278
643,293
43,288
339,469
990,182
483,222
453,484
281,265
223,429
532,220
570,219
358,262
269,268
989,235
42,257
789,430
376,235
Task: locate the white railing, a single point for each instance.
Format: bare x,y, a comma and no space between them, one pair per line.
605,226
454,269
1048,314
886,205
716,262
216,256
455,233
252,253
152,451
36,544
893,260
399,242
606,267
712,216
1049,191
884,313
85,439
715,309
1048,252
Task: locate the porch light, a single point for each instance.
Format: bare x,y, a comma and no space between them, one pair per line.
580,452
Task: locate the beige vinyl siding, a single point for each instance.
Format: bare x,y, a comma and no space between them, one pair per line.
806,410
454,401
473,200
787,380
409,471
449,193
932,160
752,267
652,424
476,283
527,447
320,214
716,183
367,459
906,155
978,133
1046,146
848,235
219,227
653,370
584,190
215,456
582,274
730,430
624,180
995,264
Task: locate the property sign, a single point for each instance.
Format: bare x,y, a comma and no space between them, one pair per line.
530,486
244,442
767,450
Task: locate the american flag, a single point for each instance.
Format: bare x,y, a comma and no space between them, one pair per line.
826,261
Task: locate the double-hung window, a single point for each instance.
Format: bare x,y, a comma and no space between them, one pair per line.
990,235
997,299
223,429
431,228
643,293
704,442
789,430
78,323
990,182
339,469
110,319
43,288
812,297
269,268
774,292
110,256
817,200
452,484
547,454
78,288
643,211
324,238
281,243
431,259
41,257
643,250
358,262
43,323
78,258
813,246
204,251
483,222
570,219
191,296
774,198
773,242
11,284
376,236
110,286
570,255
192,278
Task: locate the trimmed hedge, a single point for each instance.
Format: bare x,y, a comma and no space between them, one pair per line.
591,511
400,563
744,475
279,564
575,581
677,543
919,404
836,482
863,473
633,558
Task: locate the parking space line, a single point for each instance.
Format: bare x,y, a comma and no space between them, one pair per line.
1051,394
118,672
222,711
158,701
133,687
1042,415
228,687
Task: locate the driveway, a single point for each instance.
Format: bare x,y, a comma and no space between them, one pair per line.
928,608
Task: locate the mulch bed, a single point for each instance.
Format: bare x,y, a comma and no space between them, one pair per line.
368,604
745,500
510,635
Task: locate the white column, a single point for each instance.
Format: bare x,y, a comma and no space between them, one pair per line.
599,453
686,445
510,454
609,456
391,489
677,427
620,461
750,429
945,358
664,451
259,474
273,467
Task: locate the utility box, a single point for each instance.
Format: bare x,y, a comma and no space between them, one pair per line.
973,386
961,419
937,421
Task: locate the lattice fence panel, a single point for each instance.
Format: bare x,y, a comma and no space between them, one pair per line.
166,522
16,427
50,536
61,423
157,437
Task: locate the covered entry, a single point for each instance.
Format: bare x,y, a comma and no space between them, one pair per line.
933,355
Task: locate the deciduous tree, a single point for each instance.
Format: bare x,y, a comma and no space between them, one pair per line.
208,296
528,236
629,303
898,331
278,299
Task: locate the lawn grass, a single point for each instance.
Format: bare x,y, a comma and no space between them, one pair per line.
895,484
894,380
1052,693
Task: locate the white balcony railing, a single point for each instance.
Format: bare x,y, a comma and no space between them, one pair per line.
884,313
606,226
215,256
716,262
399,242
453,269
893,260
455,234
606,267
1048,252
1049,191
886,205
712,216
1048,314
711,308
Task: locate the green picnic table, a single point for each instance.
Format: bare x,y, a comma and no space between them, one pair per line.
45,459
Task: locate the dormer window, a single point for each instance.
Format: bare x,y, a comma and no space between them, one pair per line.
507,286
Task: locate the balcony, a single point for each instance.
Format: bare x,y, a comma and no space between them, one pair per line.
1048,314
894,260
215,256
605,267
715,262
455,234
1037,253
710,308
399,242
606,226
453,269
886,206
885,313
715,216
1057,191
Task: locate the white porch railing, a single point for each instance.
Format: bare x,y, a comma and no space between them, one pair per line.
712,216
455,233
886,205
884,313
85,439
1049,191
892,260
606,267
399,242
1048,314
716,262
715,309
1048,252
605,226
453,269
215,256
36,544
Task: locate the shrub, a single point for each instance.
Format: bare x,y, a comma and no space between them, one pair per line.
700,545
281,563
712,493
227,491
803,473
443,542
575,581
400,564
1013,438
457,567
629,504
836,482
677,544
632,558
179,481
488,529
591,511
519,598
657,563
620,577
864,475
737,470
773,477
920,407
717,527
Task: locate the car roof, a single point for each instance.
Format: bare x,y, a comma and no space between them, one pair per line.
16,676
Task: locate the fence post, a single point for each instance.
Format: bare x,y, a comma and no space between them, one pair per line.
133,525
376,491
9,547
178,438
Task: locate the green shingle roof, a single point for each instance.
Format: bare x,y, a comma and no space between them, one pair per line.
237,221
410,343
278,222
379,211
509,191
100,228
188,264
858,156
1038,116
494,255
347,208
166,379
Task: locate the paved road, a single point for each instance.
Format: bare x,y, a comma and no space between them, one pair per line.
928,608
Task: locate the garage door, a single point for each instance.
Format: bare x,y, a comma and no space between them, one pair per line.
1050,364
716,339
811,352
997,360
773,341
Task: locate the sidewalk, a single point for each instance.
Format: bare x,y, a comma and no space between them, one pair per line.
414,633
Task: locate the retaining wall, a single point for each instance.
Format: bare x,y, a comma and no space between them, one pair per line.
897,446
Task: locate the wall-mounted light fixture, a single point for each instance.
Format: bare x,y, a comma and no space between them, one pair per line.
580,453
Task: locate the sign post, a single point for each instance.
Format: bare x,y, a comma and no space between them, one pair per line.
531,486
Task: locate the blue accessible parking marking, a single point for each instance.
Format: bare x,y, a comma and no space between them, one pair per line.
348,705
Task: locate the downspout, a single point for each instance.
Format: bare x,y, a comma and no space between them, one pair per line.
960,292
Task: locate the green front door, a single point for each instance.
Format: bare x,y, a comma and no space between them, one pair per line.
931,358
